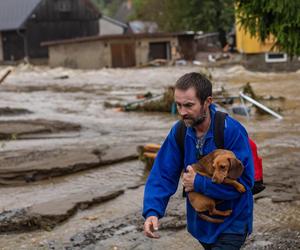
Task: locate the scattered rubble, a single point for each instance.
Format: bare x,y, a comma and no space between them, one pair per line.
229,102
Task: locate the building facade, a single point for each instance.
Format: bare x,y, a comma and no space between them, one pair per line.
112,51
25,24
263,56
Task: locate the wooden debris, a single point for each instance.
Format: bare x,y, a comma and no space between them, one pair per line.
5,75
147,154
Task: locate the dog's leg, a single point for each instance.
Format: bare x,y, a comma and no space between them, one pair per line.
225,213
210,219
238,186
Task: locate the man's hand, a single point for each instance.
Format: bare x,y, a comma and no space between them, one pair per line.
188,179
151,225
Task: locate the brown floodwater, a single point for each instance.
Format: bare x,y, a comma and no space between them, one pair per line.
80,98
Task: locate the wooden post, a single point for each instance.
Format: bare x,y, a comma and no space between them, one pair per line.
5,75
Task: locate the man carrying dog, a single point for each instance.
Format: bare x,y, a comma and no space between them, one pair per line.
193,97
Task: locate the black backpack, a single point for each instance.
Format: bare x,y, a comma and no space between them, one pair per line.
219,125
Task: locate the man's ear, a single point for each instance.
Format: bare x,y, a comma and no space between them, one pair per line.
209,100
236,168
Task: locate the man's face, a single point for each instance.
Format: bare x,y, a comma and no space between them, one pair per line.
189,106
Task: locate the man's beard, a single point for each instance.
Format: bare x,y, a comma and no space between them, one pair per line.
194,121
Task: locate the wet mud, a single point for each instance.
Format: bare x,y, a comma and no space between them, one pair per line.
69,180
49,214
24,166
6,111
14,129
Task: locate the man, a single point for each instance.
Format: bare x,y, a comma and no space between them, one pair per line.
193,97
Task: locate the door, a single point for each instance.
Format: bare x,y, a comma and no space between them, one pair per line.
123,55
13,46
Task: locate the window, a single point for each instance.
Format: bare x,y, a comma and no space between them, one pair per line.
63,6
275,57
159,50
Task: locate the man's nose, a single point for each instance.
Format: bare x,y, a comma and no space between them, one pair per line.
182,111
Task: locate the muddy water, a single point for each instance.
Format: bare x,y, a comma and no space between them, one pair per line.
80,98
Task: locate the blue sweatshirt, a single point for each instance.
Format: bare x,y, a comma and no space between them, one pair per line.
165,174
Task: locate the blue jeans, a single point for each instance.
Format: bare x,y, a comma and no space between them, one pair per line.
227,242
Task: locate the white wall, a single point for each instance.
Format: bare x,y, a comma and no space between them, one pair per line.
85,55
108,28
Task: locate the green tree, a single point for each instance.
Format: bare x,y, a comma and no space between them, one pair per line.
108,7
182,15
280,18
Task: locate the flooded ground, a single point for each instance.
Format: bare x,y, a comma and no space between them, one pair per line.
77,97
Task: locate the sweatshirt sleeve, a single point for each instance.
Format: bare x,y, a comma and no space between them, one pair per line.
163,178
236,140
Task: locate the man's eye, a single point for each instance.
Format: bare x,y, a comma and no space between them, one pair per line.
188,105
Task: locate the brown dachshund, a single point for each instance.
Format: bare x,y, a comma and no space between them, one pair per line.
221,166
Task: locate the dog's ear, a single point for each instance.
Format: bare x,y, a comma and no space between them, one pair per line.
236,168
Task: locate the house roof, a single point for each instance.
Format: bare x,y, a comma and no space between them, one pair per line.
111,37
114,21
14,13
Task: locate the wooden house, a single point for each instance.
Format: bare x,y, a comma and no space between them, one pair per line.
25,24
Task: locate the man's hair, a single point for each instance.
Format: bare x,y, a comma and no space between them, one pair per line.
198,81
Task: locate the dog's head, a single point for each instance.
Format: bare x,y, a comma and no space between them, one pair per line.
226,165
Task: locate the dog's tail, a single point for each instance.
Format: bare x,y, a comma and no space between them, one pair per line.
210,219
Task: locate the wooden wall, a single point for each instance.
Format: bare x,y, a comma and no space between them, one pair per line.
52,20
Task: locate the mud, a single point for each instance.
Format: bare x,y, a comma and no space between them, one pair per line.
13,130
70,195
6,111
49,214
24,166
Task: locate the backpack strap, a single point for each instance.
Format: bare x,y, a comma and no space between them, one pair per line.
180,136
219,125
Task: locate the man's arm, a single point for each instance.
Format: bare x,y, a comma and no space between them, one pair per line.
163,178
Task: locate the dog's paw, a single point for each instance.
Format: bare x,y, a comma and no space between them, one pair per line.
241,188
227,212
